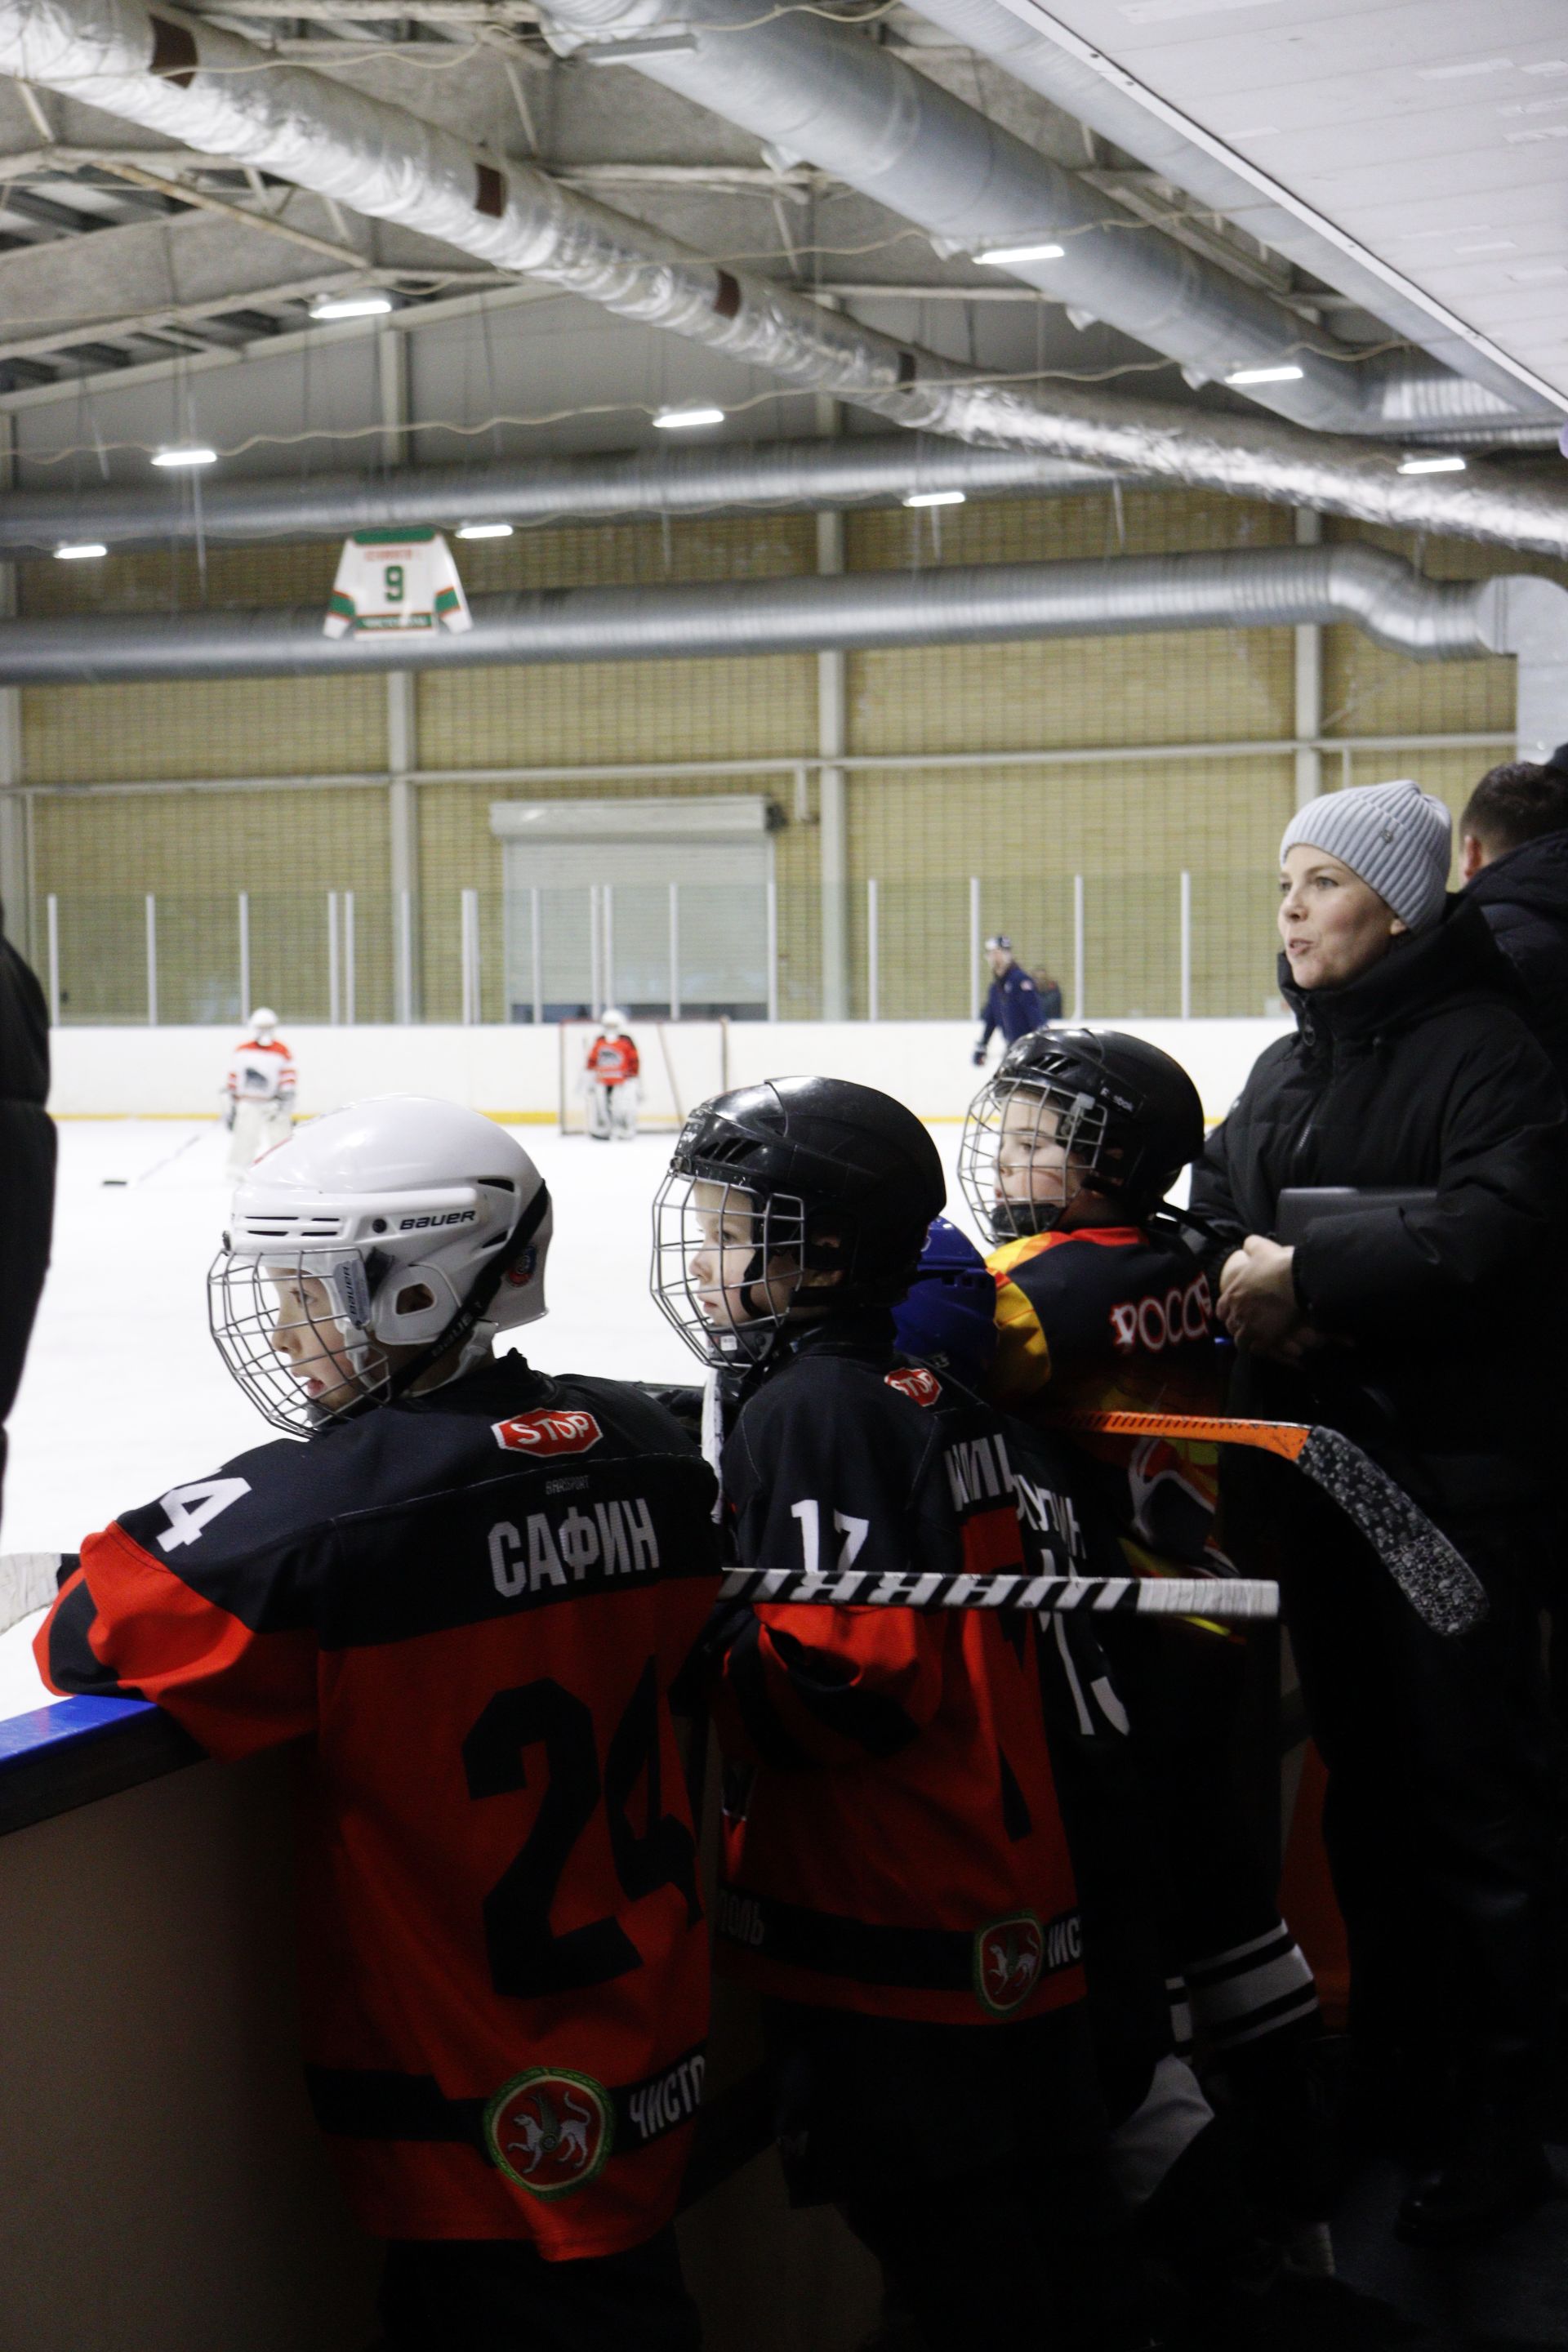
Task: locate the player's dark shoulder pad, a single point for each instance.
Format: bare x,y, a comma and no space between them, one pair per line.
844,1402
504,1422
638,1417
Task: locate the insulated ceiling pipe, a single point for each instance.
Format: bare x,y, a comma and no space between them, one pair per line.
812,88
860,470
194,82
1270,588
1028,44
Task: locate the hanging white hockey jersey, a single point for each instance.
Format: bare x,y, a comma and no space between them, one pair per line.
396,580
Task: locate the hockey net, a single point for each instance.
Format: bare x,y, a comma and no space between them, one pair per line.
682,1063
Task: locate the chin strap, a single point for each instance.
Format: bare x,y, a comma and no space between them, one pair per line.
463,1325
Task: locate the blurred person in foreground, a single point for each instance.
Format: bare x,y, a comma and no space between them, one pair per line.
1513,859
27,1165
1422,1321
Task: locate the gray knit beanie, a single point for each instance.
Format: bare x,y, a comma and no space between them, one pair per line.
1396,837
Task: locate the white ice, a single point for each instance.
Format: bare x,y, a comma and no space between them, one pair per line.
125,1395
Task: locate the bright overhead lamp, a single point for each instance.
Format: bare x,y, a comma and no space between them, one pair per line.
676,420
484,531
935,498
1005,256
1283,374
1431,465
191,456
79,553
371,304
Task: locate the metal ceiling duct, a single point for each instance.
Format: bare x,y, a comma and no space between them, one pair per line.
860,470
812,88
1032,57
191,80
1269,588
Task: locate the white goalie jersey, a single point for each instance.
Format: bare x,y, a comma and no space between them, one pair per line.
396,580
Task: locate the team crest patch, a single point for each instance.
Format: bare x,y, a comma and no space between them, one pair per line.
917,1382
548,1432
550,2130
1009,1960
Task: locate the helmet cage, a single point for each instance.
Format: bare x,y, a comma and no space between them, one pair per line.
774,1223
249,1303
1026,1112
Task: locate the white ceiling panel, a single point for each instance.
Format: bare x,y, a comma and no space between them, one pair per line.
1419,129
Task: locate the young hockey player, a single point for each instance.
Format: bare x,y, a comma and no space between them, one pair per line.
258,1093
611,1081
1066,1155
470,1590
1185,2172
895,1881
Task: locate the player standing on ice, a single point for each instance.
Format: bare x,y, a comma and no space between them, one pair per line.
895,1881
1013,1004
259,1092
471,1590
1066,1155
610,1081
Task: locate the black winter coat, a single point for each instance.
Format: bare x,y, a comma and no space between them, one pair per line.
1524,897
26,1166
1421,1073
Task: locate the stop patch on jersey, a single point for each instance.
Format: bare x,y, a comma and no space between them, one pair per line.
548,2129
548,1432
915,1381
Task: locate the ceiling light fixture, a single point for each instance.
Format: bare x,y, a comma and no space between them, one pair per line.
484,531
192,455
1004,256
1285,374
1431,465
935,498
371,304
676,420
79,554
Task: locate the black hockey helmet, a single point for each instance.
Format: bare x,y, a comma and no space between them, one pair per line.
815,1174
1126,1114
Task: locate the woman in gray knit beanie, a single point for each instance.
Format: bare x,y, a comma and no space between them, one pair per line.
1361,868
1387,1199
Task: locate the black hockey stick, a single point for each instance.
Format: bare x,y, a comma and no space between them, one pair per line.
1437,1580
861,1588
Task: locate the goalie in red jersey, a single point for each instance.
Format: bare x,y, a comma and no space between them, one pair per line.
611,1082
470,1591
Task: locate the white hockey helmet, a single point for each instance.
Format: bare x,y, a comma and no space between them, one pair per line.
424,1225
263,1024
612,1021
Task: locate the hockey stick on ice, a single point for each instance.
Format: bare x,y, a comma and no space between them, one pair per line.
1437,1580
861,1588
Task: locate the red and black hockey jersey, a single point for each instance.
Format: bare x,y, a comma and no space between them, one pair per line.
1119,1319
475,1603
892,1840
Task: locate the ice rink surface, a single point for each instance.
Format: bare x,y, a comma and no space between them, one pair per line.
125,1395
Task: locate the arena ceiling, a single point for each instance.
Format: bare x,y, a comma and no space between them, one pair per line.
149,292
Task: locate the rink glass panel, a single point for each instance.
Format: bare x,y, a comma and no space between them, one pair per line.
595,951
